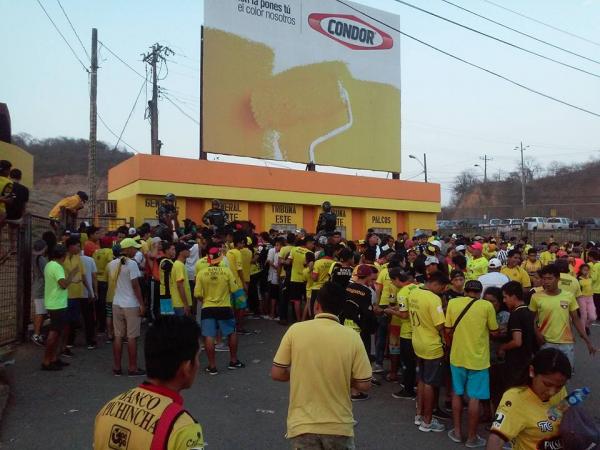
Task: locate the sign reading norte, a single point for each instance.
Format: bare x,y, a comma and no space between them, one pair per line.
303,81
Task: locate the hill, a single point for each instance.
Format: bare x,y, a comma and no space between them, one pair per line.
562,190
60,168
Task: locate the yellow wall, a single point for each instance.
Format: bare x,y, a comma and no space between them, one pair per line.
20,159
382,220
421,221
283,216
236,210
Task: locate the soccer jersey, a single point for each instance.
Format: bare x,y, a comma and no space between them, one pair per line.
388,290
283,255
179,273
426,314
234,257
531,267
246,263
298,257
215,284
471,339
75,289
595,276
523,418
321,268
569,283
70,203
476,268
102,257
586,287
553,315
402,300
340,274
547,258
5,189
517,273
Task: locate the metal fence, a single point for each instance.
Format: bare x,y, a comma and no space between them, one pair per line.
534,237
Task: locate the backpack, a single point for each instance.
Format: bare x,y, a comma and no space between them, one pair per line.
578,430
165,425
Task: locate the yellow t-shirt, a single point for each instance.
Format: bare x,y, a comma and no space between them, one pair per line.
517,273
402,300
569,283
388,290
102,257
553,315
321,268
76,287
586,287
202,263
128,421
298,257
215,284
283,255
531,267
235,264
246,263
71,203
547,258
179,273
426,314
471,340
595,276
309,282
523,417
323,357
5,188
476,268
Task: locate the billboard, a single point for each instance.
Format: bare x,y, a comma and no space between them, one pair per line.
302,81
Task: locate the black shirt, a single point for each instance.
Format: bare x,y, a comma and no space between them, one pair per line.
341,275
521,319
16,208
359,307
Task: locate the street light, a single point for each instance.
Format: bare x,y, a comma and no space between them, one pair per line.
423,163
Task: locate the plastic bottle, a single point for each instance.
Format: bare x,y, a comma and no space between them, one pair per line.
574,398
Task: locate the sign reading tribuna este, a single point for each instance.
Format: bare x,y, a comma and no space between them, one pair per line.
235,210
381,221
283,216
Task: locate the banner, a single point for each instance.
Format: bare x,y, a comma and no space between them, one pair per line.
303,81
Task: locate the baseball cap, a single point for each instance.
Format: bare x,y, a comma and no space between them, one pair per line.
478,238
561,254
477,246
460,248
364,271
132,232
495,263
129,243
454,236
431,260
473,285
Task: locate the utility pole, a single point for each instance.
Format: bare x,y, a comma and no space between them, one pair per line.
523,200
93,126
157,54
485,159
425,165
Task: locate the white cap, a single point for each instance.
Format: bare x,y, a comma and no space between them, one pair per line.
132,231
460,248
438,244
454,236
431,260
494,263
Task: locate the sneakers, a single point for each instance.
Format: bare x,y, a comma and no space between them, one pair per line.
378,368
92,347
476,443
109,340
236,365
403,394
361,396
211,371
453,437
418,420
221,347
117,372
67,352
244,332
52,367
38,339
434,426
137,373
440,414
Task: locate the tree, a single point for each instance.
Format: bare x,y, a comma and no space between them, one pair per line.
462,185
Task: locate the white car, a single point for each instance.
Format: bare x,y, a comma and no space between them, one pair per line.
534,223
507,225
493,223
556,223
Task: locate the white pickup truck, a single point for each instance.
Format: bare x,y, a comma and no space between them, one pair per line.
534,223
556,223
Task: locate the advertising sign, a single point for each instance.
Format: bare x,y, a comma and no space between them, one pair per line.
381,221
283,216
303,81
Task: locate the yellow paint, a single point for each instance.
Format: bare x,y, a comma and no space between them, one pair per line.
381,220
283,216
236,210
148,204
191,190
420,221
20,159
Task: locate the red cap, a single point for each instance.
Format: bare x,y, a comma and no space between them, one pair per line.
364,271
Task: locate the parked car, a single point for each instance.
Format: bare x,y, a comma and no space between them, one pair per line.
468,223
443,224
534,223
492,223
556,223
507,225
589,222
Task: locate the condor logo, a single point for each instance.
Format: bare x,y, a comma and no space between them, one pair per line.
350,31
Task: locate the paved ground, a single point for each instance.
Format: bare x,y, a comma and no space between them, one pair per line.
242,409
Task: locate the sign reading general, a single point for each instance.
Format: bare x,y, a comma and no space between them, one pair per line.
235,210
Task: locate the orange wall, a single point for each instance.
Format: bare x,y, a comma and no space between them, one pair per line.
256,216
358,224
194,209
401,222
310,217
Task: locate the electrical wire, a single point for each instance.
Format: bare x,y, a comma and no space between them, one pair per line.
131,112
73,28
510,44
520,32
63,37
113,133
543,23
120,59
180,110
458,58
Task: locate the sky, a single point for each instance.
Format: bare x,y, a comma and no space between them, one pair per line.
450,111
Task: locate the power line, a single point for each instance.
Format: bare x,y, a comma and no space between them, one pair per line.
458,58
131,112
180,110
510,44
63,37
73,28
543,23
114,134
120,59
521,33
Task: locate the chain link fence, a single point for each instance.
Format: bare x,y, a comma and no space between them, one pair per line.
534,237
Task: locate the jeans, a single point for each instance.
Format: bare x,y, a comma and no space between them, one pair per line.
381,339
87,312
101,306
409,364
284,300
567,349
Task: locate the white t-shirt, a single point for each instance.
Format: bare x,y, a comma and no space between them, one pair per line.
124,294
273,260
190,262
493,279
90,268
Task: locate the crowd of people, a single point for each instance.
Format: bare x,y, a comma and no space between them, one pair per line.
489,321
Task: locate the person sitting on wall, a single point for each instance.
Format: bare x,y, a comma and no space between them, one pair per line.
327,220
64,213
216,218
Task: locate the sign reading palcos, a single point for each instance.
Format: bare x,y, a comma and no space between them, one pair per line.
301,80
381,221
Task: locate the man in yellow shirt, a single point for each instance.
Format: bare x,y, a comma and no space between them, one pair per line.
554,310
66,210
549,256
514,271
214,286
594,262
320,409
285,268
179,283
5,188
320,274
469,322
297,289
567,281
477,265
427,320
131,420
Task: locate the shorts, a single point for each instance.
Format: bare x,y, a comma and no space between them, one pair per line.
239,299
431,371
394,339
74,310
127,321
58,319
166,307
108,309
475,383
310,441
297,291
274,291
40,308
567,349
217,319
